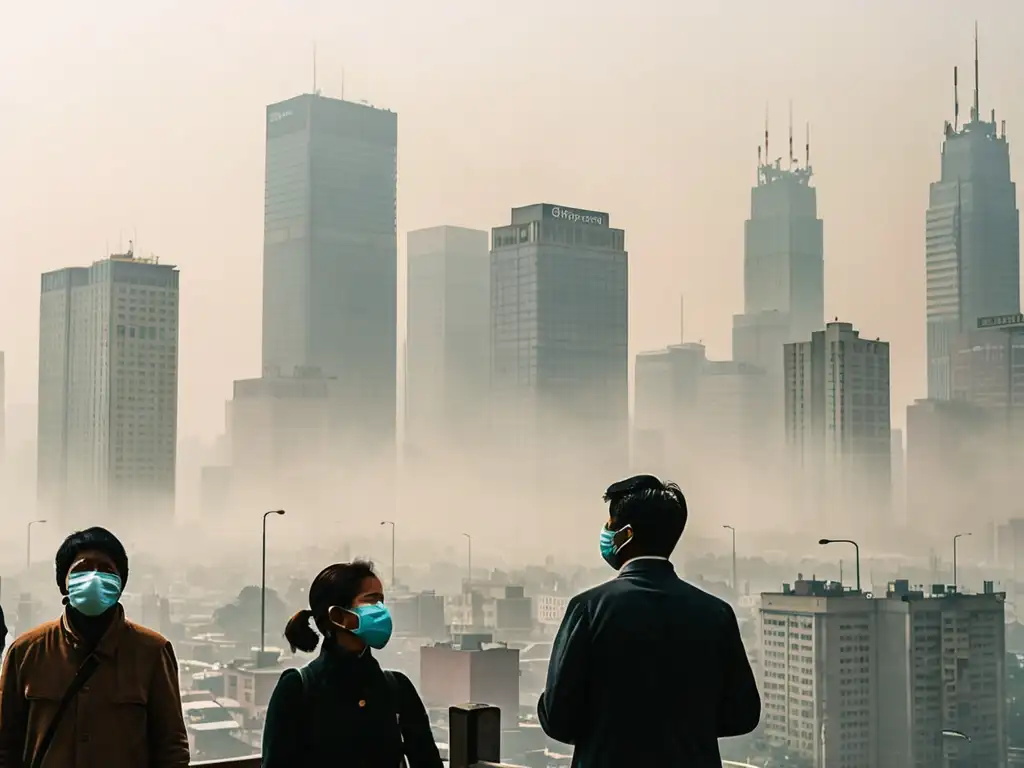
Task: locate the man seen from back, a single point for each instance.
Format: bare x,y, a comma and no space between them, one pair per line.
647,670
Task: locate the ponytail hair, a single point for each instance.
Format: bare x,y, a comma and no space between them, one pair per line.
337,584
300,633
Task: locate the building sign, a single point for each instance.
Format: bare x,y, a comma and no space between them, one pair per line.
275,117
998,321
576,216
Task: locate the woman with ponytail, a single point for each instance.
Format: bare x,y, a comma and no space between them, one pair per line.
342,708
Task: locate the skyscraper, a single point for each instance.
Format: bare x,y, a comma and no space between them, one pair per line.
108,390
559,331
838,421
783,263
330,264
448,357
972,236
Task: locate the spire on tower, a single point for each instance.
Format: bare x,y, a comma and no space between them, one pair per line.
807,147
977,101
956,101
791,158
767,157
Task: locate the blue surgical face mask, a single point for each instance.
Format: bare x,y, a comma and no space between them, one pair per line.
374,624
608,549
93,592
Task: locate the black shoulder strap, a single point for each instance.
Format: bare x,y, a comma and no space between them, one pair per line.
81,678
399,700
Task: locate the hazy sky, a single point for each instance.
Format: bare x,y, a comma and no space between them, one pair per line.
147,117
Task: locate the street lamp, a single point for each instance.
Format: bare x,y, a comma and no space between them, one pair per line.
954,557
389,522
735,588
856,550
469,562
28,544
263,584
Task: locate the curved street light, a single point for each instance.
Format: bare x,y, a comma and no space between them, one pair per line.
469,562
856,550
263,585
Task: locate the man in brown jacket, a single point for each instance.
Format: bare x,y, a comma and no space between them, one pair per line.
127,709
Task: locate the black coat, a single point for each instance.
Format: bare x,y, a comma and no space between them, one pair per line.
647,670
349,716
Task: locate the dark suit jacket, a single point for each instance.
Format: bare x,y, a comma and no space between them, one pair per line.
648,670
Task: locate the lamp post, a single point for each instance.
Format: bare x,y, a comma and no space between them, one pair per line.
392,524
735,587
954,557
856,551
28,545
263,584
469,562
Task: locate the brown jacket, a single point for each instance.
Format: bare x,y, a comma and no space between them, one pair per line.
128,715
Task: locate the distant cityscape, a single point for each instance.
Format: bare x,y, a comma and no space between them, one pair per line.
516,354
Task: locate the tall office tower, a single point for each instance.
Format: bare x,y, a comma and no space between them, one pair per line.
972,237
783,263
330,263
559,333
108,391
875,682
448,357
837,422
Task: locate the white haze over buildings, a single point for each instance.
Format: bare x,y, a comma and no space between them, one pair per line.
144,121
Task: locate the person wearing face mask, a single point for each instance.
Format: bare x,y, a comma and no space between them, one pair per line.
91,689
647,669
342,708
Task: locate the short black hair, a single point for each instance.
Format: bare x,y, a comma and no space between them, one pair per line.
338,584
97,539
655,510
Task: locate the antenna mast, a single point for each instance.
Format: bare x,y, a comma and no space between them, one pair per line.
956,101
977,101
791,158
807,147
766,155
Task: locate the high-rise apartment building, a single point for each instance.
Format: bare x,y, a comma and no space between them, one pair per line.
837,418
972,238
852,680
559,333
783,264
330,264
448,337
108,390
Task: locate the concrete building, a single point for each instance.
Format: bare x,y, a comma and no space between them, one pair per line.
987,370
783,264
873,682
559,333
838,423
471,669
448,337
949,463
330,264
972,238
108,392
716,408
284,433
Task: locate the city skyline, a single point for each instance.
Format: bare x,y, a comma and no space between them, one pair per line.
203,394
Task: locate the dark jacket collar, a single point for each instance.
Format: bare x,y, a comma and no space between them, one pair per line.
106,647
647,565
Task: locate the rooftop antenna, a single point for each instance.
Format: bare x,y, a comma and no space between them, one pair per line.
956,101
791,134
807,147
766,155
977,102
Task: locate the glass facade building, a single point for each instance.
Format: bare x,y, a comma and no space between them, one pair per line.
559,330
330,261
